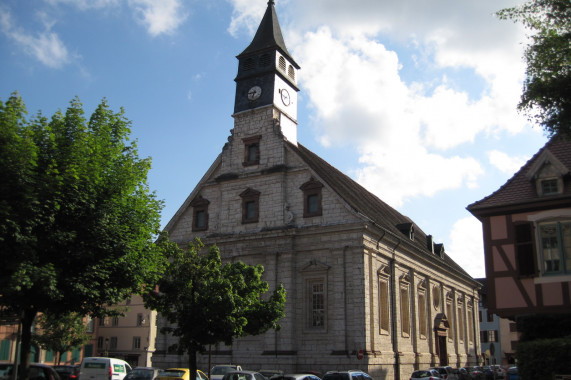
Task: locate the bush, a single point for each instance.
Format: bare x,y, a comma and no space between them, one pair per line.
544,358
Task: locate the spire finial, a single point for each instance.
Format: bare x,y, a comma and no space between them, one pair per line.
271,2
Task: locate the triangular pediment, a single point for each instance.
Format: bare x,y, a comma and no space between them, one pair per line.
546,165
315,266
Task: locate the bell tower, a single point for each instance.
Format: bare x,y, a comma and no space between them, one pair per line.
267,75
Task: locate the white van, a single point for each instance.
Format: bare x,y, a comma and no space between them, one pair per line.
95,368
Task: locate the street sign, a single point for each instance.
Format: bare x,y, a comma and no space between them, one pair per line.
360,354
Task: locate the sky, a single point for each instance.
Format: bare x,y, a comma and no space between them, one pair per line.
414,99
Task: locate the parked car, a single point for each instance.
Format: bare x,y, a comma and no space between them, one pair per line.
243,375
268,373
512,374
180,374
98,368
143,373
425,374
446,372
476,372
346,375
499,370
37,372
67,372
296,376
463,374
218,371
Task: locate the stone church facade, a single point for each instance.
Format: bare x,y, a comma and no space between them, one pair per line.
366,287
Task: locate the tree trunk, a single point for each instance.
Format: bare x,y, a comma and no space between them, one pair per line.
27,321
192,363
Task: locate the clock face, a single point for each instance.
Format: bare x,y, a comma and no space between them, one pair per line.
285,97
254,93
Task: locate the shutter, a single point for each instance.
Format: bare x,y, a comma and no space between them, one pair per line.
525,249
5,349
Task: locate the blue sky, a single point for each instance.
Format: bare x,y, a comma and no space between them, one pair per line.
414,99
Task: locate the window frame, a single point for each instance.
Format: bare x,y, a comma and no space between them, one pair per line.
564,257
312,188
250,196
199,205
405,306
249,143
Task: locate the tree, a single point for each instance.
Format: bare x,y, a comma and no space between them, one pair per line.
60,333
207,302
546,96
77,220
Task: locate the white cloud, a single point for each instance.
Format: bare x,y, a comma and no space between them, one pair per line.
466,246
159,17
506,163
404,130
46,46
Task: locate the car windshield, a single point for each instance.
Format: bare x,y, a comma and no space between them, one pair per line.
172,373
221,370
421,374
145,373
336,376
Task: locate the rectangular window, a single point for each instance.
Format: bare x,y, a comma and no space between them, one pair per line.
513,327
405,310
200,219
5,349
102,321
480,316
136,343
384,306
556,247
113,343
524,249
115,321
490,316
493,335
549,186
312,198
317,305
422,319
513,345
250,205
100,342
140,319
251,150
484,336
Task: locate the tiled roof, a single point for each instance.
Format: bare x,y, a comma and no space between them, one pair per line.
366,203
520,189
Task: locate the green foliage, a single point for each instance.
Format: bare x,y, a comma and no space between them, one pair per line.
208,302
544,358
60,333
543,326
77,219
546,96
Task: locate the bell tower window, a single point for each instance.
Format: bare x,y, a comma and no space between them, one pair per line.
291,72
282,63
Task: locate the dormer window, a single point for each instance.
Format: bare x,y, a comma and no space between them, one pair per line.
251,150
549,186
199,213
407,229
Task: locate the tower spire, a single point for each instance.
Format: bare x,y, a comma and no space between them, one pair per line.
268,36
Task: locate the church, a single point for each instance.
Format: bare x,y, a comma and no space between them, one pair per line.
366,287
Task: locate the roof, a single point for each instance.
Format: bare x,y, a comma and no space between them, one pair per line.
269,35
520,188
364,202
